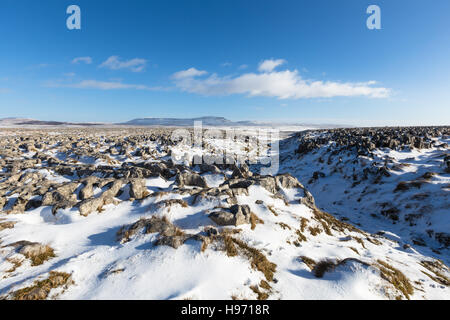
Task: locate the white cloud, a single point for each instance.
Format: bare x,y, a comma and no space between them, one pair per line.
279,84
87,60
243,66
270,64
189,73
114,63
226,64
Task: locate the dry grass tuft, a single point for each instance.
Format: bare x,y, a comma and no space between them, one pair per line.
40,258
261,295
16,264
41,289
230,248
309,262
406,185
436,267
360,241
284,225
205,244
396,278
328,221
314,231
301,236
146,193
255,220
271,208
374,241
323,266
257,259
303,224
168,203
229,231
160,194
265,285
7,225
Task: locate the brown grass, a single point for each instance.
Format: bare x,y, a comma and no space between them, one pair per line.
328,221
284,225
374,241
314,231
42,257
436,267
160,194
204,245
15,262
7,225
360,241
146,194
396,278
230,248
261,295
257,259
255,220
230,231
41,289
171,202
309,262
265,285
323,266
406,185
303,224
301,236
271,208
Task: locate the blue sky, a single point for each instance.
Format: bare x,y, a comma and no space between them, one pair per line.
306,61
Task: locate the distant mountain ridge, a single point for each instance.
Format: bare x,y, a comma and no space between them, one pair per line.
15,121
215,121
208,121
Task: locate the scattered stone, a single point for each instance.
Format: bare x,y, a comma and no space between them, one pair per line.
138,189
191,179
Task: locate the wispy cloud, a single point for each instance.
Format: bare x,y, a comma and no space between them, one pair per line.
284,84
243,66
189,73
106,85
38,66
114,63
102,85
270,64
87,60
226,64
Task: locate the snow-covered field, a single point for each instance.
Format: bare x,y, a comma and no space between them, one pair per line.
105,214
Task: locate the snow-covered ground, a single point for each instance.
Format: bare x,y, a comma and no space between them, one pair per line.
289,250
412,215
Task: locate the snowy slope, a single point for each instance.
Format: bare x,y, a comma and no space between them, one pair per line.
289,250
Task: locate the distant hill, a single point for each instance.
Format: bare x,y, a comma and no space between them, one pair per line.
208,121
12,122
213,122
